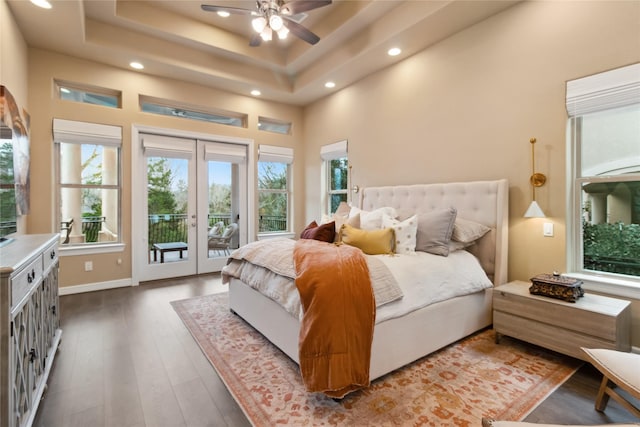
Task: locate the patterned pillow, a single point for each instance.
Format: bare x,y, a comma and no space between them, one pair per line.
405,232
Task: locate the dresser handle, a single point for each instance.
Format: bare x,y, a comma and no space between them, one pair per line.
53,309
32,355
52,254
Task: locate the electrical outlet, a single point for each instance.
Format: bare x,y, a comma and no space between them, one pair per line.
88,265
547,230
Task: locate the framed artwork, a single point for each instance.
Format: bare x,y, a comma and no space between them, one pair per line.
15,122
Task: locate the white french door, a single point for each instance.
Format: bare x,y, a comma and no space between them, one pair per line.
185,186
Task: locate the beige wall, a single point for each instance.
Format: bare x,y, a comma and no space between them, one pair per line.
465,109
45,66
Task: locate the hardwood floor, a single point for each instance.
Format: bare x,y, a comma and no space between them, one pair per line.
126,359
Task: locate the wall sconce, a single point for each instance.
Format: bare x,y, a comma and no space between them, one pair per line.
354,188
536,180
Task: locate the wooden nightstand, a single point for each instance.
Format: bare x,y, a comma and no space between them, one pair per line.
593,321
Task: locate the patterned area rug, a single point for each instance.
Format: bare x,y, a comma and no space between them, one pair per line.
455,386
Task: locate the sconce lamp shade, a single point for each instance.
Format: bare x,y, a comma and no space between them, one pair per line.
534,211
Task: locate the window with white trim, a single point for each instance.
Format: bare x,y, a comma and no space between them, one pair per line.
604,174
337,173
88,182
274,188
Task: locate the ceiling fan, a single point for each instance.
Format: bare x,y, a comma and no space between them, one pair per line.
275,16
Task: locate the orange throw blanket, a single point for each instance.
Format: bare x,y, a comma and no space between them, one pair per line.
339,316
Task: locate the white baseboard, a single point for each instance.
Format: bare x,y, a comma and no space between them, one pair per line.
99,286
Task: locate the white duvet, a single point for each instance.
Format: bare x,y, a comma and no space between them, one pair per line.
426,279
423,278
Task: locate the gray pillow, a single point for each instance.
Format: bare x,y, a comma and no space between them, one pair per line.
434,231
466,231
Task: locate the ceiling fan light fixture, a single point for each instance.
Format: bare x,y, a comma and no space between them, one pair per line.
283,33
259,24
266,34
275,22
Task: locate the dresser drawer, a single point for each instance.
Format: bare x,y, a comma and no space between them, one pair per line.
50,256
25,280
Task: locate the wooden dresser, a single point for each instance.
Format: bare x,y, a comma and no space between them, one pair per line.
594,321
29,324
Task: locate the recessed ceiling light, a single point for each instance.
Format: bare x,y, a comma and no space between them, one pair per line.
223,13
394,51
42,3
256,92
136,65
329,85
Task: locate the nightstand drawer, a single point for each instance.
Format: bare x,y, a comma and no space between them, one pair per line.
594,321
561,340
567,315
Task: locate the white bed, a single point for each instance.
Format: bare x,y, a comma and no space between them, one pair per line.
399,341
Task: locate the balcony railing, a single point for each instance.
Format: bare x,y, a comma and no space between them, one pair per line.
8,227
269,223
164,228
91,225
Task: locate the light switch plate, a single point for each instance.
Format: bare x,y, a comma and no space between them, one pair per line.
547,229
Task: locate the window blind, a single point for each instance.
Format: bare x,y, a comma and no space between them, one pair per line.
604,91
74,132
271,153
167,146
219,151
334,151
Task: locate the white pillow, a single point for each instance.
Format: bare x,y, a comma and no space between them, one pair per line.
372,220
405,232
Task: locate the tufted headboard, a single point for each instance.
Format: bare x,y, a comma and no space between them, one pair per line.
486,202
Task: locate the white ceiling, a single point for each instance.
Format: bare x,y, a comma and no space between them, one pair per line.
177,39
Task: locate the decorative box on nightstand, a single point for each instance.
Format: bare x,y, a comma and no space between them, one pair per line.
593,321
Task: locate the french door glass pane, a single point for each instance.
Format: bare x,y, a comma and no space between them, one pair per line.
167,198
220,238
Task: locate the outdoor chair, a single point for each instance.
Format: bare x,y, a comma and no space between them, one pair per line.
220,243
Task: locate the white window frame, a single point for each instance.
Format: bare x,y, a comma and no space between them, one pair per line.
84,133
275,154
600,92
335,151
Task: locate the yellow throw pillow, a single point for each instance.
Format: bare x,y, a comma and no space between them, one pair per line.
372,242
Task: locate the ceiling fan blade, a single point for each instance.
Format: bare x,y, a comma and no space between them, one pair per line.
234,10
300,31
255,40
298,6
